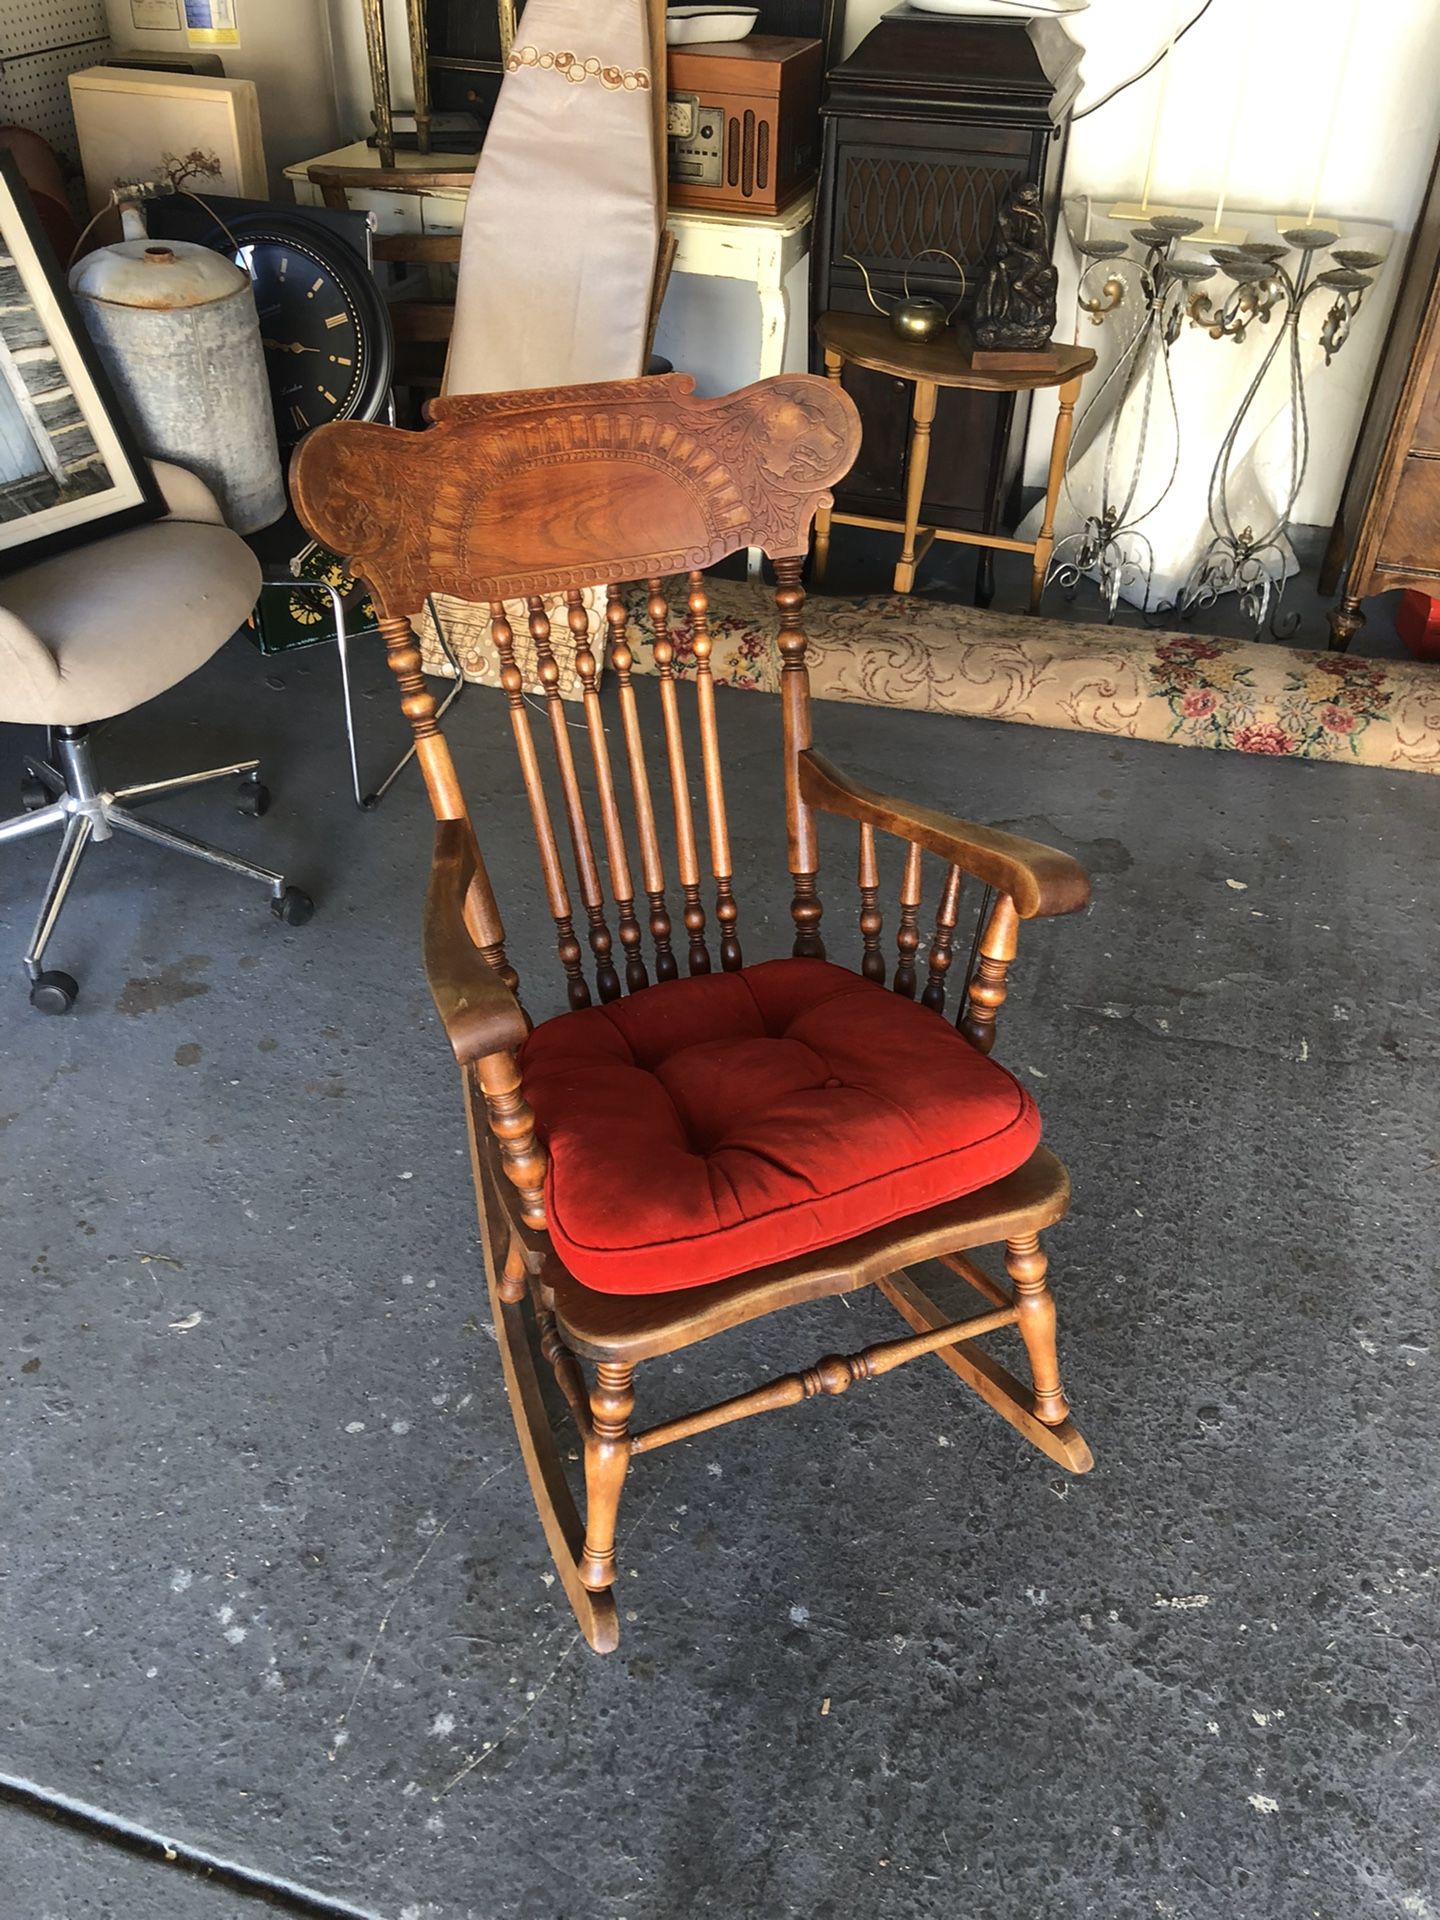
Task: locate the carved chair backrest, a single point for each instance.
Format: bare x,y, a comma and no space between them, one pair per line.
521,496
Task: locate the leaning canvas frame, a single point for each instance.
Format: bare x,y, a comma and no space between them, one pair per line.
70,469
190,129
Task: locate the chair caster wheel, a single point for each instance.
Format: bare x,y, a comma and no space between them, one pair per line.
253,798
293,907
34,794
53,992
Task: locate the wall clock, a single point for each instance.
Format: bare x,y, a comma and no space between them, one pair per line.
323,324
329,350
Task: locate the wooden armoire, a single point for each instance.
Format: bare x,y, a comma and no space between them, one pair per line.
928,127
1387,532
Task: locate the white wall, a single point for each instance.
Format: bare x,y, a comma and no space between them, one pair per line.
1280,58
1279,62
285,48
352,70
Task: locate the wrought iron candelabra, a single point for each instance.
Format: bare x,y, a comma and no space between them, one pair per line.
1241,560
1111,540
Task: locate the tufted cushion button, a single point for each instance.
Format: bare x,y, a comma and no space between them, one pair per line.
689,1139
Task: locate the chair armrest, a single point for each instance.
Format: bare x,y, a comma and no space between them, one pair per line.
186,495
1040,880
480,1014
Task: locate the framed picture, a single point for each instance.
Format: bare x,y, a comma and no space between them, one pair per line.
69,467
191,129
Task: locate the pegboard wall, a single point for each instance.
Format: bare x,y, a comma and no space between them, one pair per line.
42,42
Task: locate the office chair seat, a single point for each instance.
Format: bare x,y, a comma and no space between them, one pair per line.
119,622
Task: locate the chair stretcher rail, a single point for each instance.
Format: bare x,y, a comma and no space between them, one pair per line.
831,1375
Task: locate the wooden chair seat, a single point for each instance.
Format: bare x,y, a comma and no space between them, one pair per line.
520,496
637,1327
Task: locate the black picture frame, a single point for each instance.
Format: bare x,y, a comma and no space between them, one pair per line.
71,469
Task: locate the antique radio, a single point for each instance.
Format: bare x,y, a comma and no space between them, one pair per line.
744,122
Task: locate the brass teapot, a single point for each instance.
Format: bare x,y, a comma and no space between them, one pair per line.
915,316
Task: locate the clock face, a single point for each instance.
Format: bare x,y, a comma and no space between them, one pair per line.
319,343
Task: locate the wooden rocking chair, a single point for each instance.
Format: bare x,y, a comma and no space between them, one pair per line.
653,1169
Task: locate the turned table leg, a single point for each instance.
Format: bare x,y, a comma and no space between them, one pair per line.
1059,453
1347,617
926,396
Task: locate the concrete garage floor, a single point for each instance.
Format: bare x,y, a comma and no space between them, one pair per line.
271,1588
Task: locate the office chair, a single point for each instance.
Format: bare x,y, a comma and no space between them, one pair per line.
95,632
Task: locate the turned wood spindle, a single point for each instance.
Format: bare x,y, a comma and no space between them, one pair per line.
514,1280
687,855
482,915
986,993
607,981
607,1455
556,893
1027,1265
563,1364
513,1125
727,913
907,934
652,870
482,918
946,914
418,704
872,922
982,920
803,847
617,857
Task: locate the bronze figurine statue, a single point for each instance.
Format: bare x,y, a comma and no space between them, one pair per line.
1015,308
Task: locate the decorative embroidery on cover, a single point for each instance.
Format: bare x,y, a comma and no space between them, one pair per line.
576,70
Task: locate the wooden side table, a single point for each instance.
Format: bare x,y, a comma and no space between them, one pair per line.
866,340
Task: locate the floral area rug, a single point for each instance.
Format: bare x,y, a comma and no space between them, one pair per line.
894,650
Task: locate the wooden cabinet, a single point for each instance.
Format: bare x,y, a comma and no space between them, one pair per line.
1388,530
929,126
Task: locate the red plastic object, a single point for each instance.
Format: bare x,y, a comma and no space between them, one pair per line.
1417,621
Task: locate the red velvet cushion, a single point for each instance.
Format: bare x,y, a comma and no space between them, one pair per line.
711,1125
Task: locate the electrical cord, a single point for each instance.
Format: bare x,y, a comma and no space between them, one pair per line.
1136,78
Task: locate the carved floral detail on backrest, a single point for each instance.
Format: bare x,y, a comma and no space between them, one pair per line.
521,494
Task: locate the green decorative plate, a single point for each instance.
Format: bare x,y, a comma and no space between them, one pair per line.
287,617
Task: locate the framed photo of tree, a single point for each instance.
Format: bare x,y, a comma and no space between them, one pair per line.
69,467
191,129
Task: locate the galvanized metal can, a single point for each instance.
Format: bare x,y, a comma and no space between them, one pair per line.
176,327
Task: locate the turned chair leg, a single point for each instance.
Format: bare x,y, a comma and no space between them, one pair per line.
1347,617
607,1455
1026,1264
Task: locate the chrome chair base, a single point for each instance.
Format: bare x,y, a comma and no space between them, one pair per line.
85,812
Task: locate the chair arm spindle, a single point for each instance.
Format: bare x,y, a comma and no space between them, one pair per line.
1040,880
872,922
985,994
907,934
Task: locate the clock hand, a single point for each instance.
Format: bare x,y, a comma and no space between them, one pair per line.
287,346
